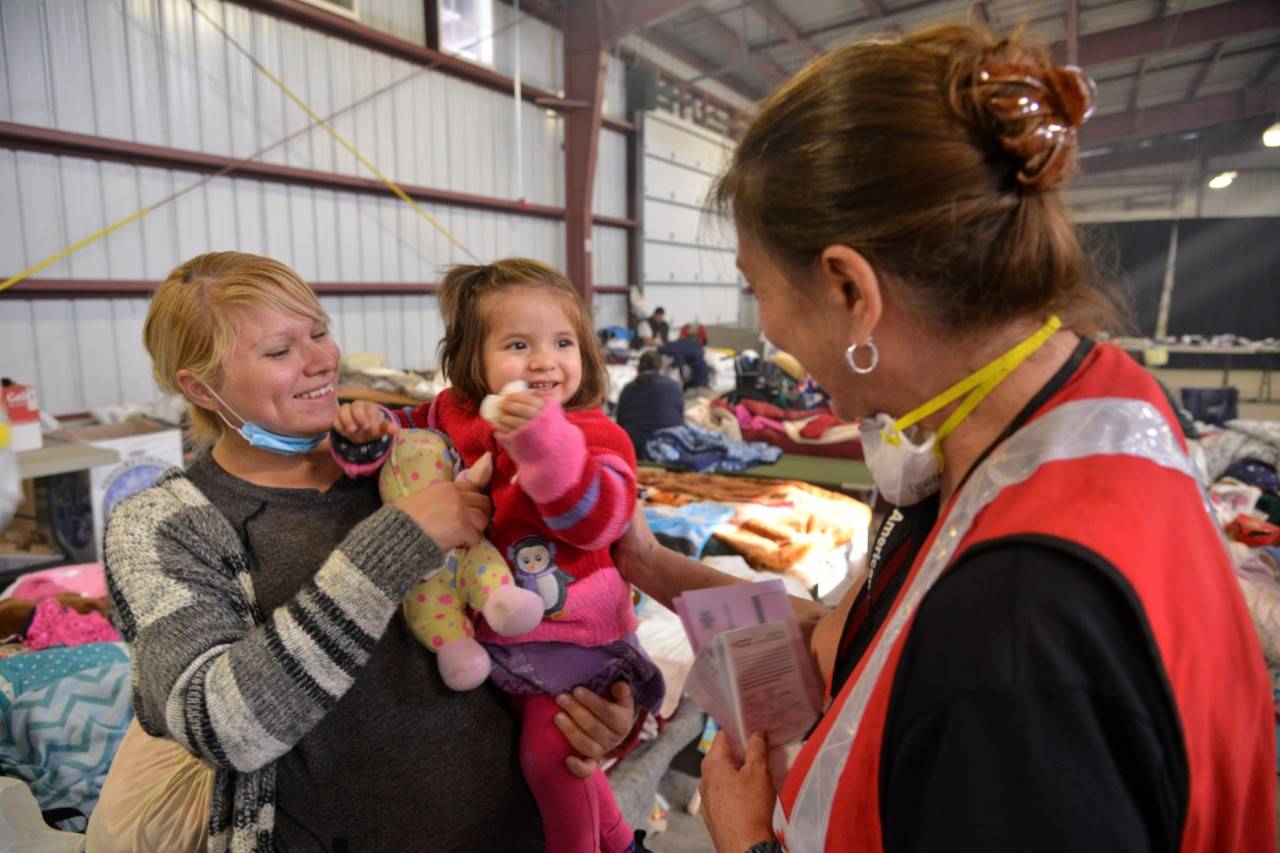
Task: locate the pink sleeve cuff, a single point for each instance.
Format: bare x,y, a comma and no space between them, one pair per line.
550,452
363,466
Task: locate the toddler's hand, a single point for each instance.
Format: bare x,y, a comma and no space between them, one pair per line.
517,410
362,422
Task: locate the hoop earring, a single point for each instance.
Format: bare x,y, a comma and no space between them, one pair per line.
853,365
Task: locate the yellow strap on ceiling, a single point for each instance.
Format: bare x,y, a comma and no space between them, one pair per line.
391,185
317,120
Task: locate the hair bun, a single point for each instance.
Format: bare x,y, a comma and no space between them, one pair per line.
1037,114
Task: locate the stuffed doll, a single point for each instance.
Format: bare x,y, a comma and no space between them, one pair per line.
475,578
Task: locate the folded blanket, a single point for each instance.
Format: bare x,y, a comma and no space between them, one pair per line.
63,712
777,524
702,450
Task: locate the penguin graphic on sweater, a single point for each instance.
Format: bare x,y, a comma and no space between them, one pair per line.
534,562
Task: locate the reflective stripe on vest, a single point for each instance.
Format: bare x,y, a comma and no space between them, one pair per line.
1106,426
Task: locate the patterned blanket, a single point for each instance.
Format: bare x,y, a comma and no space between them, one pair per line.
63,712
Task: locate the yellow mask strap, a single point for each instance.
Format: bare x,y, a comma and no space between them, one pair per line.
977,385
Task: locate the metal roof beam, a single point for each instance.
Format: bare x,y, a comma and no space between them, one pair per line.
1193,91
1183,116
1071,45
1132,109
1264,73
1199,26
781,24
625,16
702,66
730,41
1167,152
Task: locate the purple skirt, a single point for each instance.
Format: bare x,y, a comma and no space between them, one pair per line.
550,669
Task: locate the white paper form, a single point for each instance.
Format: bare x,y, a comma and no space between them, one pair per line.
767,681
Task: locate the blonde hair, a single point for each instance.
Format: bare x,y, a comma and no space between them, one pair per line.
191,322
467,326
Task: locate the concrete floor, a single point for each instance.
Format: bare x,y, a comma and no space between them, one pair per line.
685,833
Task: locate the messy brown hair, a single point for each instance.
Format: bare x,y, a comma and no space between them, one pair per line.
192,321
464,289
894,148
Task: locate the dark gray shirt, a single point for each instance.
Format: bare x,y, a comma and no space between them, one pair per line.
401,762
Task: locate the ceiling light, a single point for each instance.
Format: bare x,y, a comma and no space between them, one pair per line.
1221,182
1271,136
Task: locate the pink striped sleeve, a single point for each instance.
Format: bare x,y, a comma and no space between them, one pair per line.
584,493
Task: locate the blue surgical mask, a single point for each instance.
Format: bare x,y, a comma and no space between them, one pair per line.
285,445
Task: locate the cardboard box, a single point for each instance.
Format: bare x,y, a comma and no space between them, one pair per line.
24,546
23,406
80,503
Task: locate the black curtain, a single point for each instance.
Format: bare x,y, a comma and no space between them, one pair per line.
1133,255
1227,278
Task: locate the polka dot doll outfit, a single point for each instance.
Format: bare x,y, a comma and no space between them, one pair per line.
436,608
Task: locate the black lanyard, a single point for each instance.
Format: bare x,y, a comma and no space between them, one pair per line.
893,550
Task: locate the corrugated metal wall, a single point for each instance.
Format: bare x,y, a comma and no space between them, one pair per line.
403,20
153,71
688,266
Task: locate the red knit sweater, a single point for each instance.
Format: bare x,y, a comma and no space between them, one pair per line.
564,483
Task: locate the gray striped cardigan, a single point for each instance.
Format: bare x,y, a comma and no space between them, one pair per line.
239,688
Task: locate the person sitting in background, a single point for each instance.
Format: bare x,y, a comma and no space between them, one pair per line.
649,402
652,331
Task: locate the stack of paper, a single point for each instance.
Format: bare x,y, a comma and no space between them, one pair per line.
752,672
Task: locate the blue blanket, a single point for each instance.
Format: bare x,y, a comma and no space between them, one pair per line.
705,451
63,712
692,523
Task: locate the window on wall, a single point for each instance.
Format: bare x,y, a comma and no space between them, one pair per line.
346,8
466,29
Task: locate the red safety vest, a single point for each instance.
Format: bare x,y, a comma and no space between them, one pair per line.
1099,465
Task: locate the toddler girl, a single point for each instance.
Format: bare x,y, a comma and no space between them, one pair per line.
563,490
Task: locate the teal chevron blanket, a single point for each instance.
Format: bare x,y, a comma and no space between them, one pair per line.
63,712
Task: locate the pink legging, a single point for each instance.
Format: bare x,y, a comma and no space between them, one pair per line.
578,815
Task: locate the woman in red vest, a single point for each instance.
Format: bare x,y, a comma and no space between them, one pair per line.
1050,651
